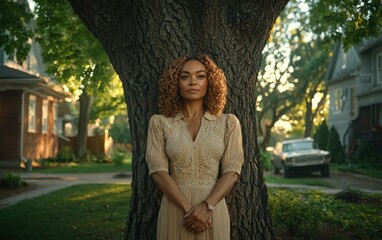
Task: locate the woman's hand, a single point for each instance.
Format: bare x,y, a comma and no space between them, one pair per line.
198,218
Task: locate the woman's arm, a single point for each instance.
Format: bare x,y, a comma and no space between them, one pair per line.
171,190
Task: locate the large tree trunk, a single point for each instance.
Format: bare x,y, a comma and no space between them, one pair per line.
308,118
86,102
141,38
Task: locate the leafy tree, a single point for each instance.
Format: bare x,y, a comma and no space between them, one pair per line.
335,147
346,21
141,38
310,70
120,131
322,136
14,32
74,57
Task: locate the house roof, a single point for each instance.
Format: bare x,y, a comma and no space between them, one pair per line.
8,74
13,77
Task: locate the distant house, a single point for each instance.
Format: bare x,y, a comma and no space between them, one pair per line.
32,108
354,81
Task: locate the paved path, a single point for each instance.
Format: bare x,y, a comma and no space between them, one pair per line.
46,183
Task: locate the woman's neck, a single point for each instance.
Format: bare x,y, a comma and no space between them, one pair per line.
193,109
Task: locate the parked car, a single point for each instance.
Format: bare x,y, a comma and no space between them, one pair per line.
300,155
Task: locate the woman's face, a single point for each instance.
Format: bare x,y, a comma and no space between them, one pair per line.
193,81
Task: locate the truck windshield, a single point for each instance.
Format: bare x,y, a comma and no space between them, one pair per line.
296,146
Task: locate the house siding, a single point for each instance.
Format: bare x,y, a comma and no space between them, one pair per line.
40,145
10,116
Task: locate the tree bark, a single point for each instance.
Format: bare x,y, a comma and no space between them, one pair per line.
141,39
86,102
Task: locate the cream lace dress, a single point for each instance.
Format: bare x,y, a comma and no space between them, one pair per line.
194,165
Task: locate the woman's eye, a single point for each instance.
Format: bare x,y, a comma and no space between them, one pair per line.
201,76
183,77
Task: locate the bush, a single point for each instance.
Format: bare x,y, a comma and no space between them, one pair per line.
120,131
367,155
266,158
321,137
65,155
10,181
349,195
335,147
118,158
299,214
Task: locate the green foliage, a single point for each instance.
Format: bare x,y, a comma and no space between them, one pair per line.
346,21
322,135
266,158
118,158
314,215
65,155
10,181
366,155
349,195
335,147
120,131
14,32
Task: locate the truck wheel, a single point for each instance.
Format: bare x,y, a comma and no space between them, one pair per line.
325,170
287,172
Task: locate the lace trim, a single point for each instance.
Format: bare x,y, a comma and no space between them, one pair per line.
156,166
196,182
232,166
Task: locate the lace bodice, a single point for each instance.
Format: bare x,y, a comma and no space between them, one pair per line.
218,144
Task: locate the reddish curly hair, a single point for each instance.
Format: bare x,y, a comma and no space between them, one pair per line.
170,101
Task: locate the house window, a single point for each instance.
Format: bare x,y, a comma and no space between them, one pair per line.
55,118
353,102
343,60
338,101
44,121
32,113
379,68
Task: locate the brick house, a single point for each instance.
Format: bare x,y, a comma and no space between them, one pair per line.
32,108
354,81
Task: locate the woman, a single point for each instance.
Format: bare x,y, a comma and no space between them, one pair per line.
188,144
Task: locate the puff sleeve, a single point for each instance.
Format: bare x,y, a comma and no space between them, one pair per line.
233,157
156,156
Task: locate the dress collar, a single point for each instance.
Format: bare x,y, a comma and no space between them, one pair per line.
207,115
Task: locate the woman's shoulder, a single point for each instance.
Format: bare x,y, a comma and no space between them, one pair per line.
231,120
159,119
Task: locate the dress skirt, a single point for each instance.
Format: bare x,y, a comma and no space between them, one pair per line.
171,218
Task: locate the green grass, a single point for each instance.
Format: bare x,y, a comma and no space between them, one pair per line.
99,211
86,168
300,181
367,171
93,211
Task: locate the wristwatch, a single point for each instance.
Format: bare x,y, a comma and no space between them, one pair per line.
210,207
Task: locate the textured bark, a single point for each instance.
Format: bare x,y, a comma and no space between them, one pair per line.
86,102
141,38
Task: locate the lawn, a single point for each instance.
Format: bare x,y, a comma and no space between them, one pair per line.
98,211
93,211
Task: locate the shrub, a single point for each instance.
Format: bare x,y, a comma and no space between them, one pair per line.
367,155
335,147
65,155
349,195
321,137
266,158
10,181
299,214
118,158
120,131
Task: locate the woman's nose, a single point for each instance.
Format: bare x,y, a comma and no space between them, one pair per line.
192,81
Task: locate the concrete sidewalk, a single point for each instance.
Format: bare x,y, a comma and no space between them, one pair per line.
46,183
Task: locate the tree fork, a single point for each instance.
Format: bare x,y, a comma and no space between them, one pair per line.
141,38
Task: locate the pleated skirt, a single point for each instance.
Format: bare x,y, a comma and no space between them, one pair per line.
171,218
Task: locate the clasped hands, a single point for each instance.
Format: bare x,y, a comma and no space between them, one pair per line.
198,218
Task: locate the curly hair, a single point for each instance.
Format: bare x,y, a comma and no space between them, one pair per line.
170,101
